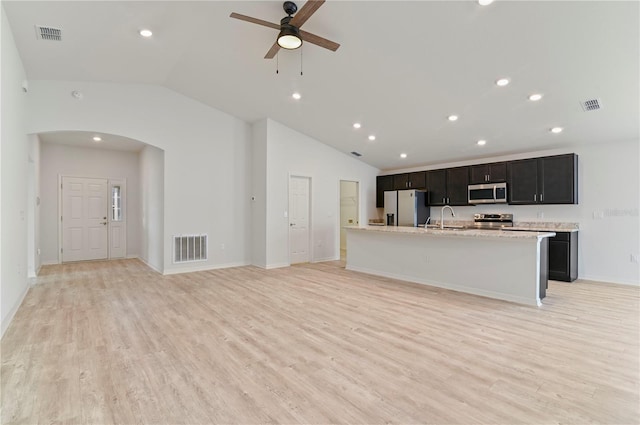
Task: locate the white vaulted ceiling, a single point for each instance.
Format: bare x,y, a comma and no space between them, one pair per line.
402,68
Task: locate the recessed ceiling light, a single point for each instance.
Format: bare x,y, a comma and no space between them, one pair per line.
485,2
146,33
535,97
403,155
557,130
453,118
372,137
502,82
296,96
97,138
356,125
482,142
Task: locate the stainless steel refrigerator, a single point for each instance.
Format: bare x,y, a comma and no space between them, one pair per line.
405,207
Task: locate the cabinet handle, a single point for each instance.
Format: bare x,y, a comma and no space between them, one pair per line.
409,184
541,195
486,178
534,197
444,200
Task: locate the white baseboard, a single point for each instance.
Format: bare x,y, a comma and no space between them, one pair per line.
322,260
276,266
606,279
202,268
9,318
152,267
48,263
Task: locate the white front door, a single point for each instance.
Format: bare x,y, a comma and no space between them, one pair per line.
84,219
117,219
299,219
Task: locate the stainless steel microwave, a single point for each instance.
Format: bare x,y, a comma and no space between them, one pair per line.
490,193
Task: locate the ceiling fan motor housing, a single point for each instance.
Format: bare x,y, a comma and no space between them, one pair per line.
289,7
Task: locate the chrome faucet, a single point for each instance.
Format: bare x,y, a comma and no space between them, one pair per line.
442,215
427,222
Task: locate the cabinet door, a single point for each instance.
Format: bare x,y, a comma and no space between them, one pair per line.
559,255
437,187
488,173
523,181
457,186
382,183
558,179
418,180
400,181
497,172
478,174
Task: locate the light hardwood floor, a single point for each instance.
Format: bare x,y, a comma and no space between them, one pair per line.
115,342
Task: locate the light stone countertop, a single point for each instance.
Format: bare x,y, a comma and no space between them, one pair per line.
465,233
543,226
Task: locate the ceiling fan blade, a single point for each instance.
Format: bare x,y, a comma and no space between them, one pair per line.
272,51
255,20
305,12
319,41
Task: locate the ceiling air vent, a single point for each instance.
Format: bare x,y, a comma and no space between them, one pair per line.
591,105
48,33
354,153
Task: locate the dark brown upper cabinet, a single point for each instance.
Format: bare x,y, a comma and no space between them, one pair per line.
404,181
545,180
383,183
448,186
488,173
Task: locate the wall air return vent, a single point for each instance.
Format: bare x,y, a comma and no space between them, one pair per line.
189,248
591,105
48,33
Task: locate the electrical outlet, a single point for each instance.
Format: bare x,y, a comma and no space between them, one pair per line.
38,251
540,214
634,258
222,246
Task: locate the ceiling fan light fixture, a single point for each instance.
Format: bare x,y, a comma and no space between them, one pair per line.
289,37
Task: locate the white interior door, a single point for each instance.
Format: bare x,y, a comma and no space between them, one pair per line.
117,219
84,219
299,219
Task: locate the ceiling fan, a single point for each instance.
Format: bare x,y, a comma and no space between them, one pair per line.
291,36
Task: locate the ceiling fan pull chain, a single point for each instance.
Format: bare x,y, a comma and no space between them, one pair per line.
300,60
277,61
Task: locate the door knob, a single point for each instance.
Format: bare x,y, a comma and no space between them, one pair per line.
291,224
105,223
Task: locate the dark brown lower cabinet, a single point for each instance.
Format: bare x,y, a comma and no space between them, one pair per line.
563,256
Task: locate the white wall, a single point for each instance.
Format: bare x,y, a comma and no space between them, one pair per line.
76,161
14,153
292,153
33,207
207,173
608,187
152,207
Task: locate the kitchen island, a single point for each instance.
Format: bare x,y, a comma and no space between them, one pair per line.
506,265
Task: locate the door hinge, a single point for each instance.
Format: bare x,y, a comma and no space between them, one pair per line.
61,250
60,218
60,185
